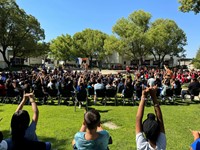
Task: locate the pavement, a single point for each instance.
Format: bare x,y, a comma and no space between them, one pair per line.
107,71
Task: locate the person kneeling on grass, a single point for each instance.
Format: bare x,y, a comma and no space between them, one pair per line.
91,135
150,135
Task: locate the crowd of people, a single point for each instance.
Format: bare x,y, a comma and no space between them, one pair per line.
58,81
150,134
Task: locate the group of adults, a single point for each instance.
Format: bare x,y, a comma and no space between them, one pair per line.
150,134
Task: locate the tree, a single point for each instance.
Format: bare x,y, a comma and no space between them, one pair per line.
62,47
89,43
19,32
166,38
132,32
190,5
196,60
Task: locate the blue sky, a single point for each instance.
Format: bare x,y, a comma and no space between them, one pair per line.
70,16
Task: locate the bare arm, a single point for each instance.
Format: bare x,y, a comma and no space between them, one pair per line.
83,128
195,135
157,109
34,108
20,106
140,112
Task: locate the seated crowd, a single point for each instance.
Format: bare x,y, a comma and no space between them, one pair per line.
45,83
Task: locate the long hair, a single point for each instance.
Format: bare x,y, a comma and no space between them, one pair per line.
19,123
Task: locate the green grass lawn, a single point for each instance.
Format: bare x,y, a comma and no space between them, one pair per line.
58,124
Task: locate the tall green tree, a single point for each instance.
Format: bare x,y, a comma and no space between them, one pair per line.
166,38
61,48
190,5
132,32
19,31
90,43
196,60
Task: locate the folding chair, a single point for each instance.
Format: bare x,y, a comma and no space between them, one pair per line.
111,93
128,94
53,95
79,97
11,96
65,95
194,92
101,93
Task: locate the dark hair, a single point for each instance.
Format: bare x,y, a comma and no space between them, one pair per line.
19,123
1,136
92,119
151,127
98,80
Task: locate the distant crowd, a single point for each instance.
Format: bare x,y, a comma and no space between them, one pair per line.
57,81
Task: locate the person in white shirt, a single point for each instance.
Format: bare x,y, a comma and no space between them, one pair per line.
150,135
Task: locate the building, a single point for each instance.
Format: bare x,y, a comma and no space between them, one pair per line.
115,58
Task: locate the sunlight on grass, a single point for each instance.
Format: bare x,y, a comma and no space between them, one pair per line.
58,124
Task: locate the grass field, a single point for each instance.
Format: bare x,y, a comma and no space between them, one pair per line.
58,124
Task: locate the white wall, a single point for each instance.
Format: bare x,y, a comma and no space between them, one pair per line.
33,61
116,58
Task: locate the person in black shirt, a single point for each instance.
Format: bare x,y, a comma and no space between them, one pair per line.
193,89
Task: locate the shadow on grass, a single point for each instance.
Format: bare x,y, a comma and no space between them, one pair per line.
176,102
105,120
55,143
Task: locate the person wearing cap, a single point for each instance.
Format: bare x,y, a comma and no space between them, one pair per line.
150,135
91,135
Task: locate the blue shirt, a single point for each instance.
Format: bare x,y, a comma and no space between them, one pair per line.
101,143
30,132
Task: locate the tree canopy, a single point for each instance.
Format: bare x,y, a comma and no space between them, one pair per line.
166,38
62,47
132,32
190,5
196,60
90,43
19,31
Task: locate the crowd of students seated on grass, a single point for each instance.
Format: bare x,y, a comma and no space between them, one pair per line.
58,82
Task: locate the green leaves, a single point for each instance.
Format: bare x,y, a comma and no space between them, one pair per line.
132,33
196,60
62,47
166,37
89,42
18,31
190,5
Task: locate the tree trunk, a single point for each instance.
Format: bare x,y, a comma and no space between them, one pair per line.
3,52
91,62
